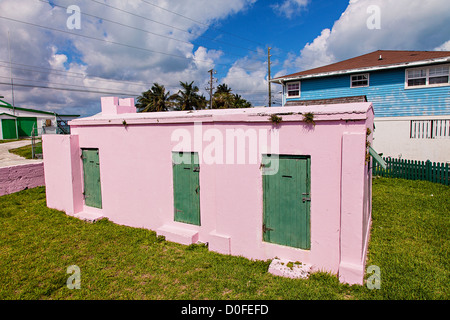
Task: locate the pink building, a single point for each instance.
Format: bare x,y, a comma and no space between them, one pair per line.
235,178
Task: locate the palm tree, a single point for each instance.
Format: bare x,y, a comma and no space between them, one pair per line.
188,98
223,88
239,102
224,99
154,100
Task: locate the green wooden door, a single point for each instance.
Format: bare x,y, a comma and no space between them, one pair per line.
9,129
91,171
186,188
25,126
286,203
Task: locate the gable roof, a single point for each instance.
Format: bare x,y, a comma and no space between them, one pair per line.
7,115
371,61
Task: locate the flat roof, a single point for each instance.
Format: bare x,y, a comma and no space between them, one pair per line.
324,112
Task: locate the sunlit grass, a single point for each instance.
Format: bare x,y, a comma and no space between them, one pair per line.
409,242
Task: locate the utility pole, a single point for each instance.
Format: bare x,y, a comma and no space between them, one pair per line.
11,76
268,78
211,87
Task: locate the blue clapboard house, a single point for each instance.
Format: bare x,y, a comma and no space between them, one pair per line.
409,90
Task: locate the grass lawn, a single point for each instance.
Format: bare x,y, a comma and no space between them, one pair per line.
409,242
26,151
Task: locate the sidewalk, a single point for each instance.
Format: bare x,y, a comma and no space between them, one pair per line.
8,159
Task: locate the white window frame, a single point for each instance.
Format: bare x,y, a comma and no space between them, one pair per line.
359,74
427,77
299,89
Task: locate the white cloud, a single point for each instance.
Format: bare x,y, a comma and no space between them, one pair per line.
161,59
290,8
315,54
404,25
443,47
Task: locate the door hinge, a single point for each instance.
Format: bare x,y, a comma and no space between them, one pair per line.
265,229
196,169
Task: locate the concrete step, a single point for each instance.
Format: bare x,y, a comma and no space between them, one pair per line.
178,234
89,216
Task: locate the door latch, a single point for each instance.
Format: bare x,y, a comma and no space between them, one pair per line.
265,229
304,199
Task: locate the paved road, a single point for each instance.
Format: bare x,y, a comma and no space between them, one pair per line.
10,159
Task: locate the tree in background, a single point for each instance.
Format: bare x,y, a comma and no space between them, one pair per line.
188,98
224,99
154,100
239,102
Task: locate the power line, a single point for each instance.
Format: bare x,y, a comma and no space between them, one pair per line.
140,29
70,89
50,82
81,77
199,22
115,42
170,26
102,88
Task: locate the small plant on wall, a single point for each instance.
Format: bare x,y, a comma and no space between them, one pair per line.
275,119
368,132
309,118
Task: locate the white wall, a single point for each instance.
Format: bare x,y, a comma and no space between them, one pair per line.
40,119
392,138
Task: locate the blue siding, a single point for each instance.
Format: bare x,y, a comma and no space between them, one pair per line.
386,91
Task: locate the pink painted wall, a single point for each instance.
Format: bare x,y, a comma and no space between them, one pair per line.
63,175
137,182
20,177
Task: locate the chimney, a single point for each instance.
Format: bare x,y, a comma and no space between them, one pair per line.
114,105
380,57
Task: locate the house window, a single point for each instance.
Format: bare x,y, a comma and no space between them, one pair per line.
438,75
359,80
429,76
293,89
417,77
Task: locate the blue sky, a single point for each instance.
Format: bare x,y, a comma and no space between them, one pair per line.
123,47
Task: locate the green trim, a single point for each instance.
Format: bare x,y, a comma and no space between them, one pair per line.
9,106
9,115
29,110
5,102
377,157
